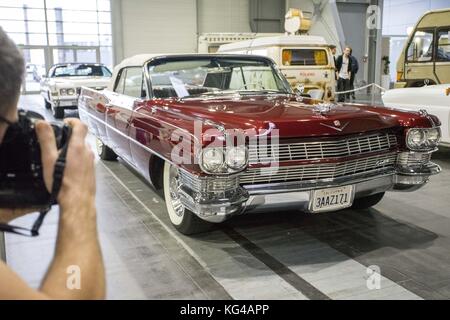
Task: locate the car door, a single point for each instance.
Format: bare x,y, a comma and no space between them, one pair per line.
120,110
142,131
443,55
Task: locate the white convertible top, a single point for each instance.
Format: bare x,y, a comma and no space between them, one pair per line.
274,41
134,61
139,59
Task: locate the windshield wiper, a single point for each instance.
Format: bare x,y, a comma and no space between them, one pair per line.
211,93
263,91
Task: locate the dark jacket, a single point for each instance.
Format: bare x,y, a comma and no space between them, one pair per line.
355,65
339,64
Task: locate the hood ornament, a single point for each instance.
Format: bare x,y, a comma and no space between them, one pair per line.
323,108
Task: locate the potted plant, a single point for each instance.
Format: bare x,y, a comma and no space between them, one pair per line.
386,78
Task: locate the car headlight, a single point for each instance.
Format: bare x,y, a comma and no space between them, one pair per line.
420,139
433,136
236,157
222,161
67,92
212,159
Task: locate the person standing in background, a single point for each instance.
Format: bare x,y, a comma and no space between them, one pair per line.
355,68
343,73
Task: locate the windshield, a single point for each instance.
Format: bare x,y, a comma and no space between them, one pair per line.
190,77
81,70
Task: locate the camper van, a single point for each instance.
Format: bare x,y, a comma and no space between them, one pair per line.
304,60
425,58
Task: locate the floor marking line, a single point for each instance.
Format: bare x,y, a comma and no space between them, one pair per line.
276,266
347,252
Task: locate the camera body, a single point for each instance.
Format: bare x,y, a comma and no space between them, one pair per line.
21,173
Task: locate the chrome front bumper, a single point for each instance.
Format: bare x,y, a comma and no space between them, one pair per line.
214,205
66,103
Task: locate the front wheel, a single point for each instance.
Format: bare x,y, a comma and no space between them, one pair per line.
105,152
367,202
58,113
184,221
47,104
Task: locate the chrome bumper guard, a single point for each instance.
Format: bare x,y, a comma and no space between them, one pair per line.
202,195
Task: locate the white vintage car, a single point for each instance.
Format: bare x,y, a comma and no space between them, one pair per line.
434,99
61,87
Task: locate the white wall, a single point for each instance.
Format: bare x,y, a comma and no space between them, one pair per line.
171,26
398,15
158,26
223,16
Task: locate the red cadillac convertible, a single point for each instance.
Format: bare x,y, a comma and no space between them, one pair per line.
225,134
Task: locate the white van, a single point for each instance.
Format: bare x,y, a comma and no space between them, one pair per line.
304,60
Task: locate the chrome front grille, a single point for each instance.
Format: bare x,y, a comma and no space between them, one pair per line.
408,159
317,150
318,171
206,185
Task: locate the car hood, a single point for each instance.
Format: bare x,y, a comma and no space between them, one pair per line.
293,118
81,82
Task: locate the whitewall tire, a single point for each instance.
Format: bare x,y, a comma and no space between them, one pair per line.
182,219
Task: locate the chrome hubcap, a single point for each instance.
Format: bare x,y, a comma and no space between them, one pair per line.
174,185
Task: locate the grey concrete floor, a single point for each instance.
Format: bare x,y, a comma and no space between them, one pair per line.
277,255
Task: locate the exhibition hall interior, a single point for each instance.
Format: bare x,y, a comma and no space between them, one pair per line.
225,149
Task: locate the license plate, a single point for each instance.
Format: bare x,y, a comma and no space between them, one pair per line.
67,103
331,199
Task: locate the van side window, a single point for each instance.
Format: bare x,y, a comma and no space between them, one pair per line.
133,82
120,83
443,45
304,57
421,47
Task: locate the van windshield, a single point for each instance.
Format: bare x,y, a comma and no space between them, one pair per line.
195,76
305,57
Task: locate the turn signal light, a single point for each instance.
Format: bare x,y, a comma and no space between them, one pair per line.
399,75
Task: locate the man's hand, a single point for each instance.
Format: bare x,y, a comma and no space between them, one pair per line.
77,242
78,185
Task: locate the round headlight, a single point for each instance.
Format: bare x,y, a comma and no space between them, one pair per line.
433,136
416,138
212,159
70,92
63,92
236,157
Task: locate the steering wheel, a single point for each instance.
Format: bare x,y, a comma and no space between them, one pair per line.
256,84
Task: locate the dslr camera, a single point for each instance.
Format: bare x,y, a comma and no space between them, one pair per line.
21,175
